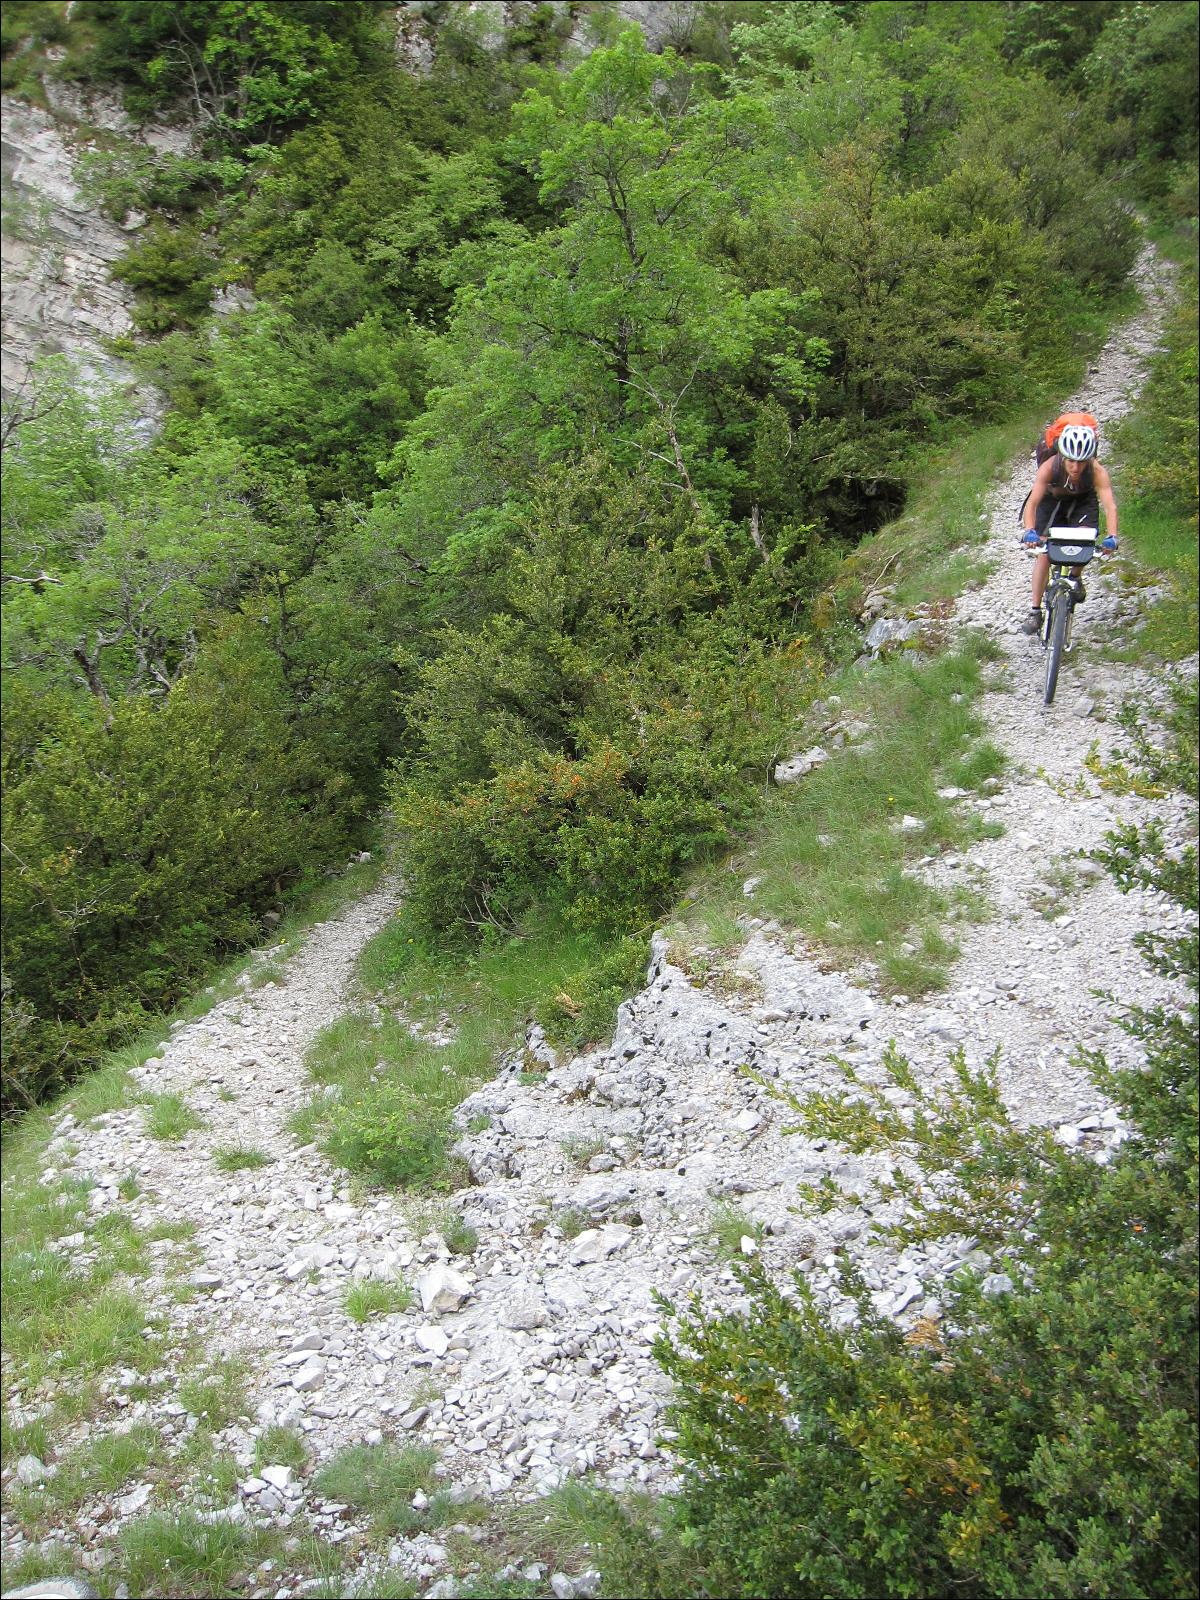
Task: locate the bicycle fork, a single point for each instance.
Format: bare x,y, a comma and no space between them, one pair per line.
1072,586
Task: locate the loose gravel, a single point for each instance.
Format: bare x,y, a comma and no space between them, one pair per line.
595,1186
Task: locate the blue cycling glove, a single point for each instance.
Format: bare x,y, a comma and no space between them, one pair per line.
1109,544
1031,537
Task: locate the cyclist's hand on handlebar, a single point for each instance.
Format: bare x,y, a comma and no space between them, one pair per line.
1109,545
1031,537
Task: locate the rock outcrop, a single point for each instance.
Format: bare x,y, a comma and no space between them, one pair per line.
58,247
663,23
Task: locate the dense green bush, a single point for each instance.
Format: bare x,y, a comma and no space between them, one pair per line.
250,68
1137,62
197,698
604,725
1143,67
1037,1442
172,270
137,853
299,399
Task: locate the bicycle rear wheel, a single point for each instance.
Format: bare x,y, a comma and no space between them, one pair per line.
1060,618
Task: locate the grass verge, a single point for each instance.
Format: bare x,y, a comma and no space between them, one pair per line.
832,855
631,1538
388,1092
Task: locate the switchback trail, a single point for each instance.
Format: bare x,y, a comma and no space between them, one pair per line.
595,1186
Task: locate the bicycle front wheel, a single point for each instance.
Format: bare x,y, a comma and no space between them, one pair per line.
1060,618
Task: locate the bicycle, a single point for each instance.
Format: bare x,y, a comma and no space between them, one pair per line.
1069,549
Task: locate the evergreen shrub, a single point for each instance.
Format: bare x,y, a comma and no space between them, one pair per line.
173,273
1042,1441
138,852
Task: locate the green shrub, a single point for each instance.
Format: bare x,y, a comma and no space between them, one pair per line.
172,272
142,849
605,723
399,1141
584,1009
1037,1442
576,829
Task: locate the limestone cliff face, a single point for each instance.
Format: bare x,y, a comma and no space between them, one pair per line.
58,292
59,295
663,22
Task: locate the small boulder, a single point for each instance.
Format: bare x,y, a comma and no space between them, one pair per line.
310,1376
130,1504
524,1315
432,1339
799,766
442,1288
593,1244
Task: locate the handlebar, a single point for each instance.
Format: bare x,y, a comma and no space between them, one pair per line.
1108,546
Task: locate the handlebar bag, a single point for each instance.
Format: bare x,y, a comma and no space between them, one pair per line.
1072,547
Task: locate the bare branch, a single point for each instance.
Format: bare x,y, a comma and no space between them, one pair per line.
38,582
90,666
42,401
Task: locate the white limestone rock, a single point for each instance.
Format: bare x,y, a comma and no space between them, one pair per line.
442,1288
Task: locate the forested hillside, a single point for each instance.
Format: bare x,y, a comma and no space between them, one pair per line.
731,1128
511,497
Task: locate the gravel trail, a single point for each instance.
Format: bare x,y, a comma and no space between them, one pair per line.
529,1361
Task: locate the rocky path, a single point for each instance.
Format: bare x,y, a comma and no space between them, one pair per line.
595,1186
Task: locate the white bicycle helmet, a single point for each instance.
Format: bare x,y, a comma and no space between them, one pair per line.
1077,443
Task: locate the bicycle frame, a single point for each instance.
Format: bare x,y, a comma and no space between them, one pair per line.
1061,577
1068,551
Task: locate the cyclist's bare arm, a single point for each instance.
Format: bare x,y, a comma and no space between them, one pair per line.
1040,484
1108,504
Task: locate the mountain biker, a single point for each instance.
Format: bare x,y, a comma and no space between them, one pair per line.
1070,488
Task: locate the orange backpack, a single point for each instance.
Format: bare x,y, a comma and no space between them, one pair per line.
1049,440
